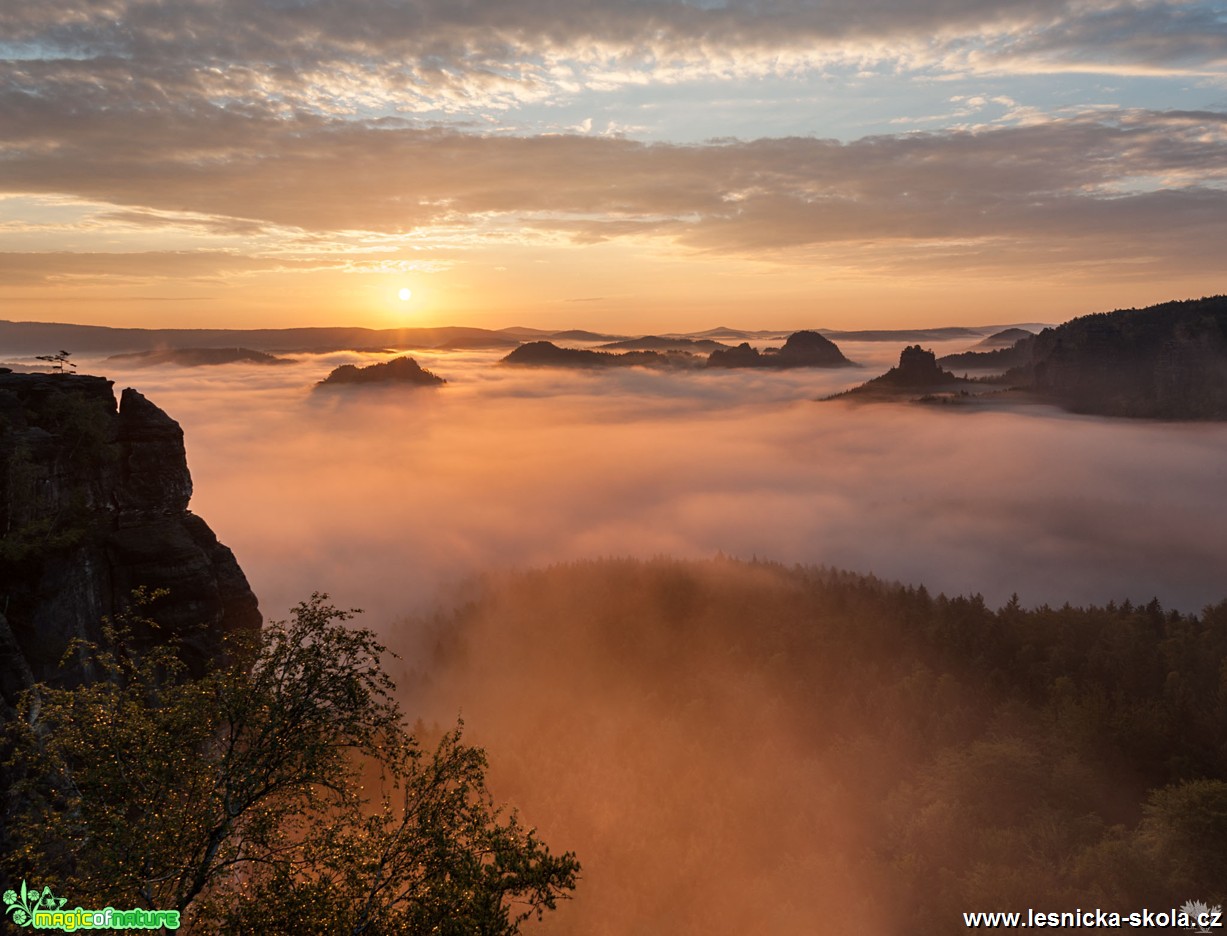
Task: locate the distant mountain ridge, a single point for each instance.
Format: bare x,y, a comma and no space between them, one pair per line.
1005,338
658,343
548,354
999,359
18,338
31,338
198,357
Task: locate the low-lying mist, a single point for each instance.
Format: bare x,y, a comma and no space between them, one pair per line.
743,748
728,750
384,496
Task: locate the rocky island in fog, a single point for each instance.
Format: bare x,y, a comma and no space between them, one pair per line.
801,349
1167,361
916,373
404,371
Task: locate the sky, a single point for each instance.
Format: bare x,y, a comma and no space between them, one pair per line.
628,165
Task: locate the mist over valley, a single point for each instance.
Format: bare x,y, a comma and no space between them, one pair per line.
408,490
764,659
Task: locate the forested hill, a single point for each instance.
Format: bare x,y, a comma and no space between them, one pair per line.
844,749
1166,361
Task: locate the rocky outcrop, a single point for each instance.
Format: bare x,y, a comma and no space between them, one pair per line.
801,349
917,368
93,505
810,349
917,372
401,370
741,356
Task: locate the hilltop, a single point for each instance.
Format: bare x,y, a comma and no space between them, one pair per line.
1166,361
401,370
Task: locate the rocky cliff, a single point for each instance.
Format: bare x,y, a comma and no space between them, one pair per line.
94,504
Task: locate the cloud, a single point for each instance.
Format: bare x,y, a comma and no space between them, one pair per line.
371,58
21,269
1127,188
284,122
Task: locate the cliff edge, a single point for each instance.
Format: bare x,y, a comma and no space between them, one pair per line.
94,504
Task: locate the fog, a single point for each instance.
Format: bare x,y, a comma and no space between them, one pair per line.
387,497
683,731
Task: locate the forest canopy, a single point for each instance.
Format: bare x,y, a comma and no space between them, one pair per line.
279,793
771,749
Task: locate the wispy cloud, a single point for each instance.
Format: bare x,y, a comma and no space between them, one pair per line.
1131,187
434,55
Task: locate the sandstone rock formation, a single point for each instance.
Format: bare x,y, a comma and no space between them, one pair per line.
94,504
917,368
917,372
801,349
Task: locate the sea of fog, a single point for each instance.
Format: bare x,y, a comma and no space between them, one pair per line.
715,809
388,497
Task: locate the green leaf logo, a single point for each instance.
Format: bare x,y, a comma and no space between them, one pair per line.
23,905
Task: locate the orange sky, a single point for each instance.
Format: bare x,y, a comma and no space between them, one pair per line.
607,164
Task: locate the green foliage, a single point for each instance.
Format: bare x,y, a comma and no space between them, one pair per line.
240,798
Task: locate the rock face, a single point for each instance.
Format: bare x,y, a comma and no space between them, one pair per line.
917,370
94,504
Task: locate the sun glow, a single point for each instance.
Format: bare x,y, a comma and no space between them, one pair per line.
405,294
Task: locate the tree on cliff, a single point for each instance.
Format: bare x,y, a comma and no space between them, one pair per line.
240,798
59,360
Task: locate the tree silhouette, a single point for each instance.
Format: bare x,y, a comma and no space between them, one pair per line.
58,361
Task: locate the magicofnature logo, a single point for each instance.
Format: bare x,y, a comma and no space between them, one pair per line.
42,910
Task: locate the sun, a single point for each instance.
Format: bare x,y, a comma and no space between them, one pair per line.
405,294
